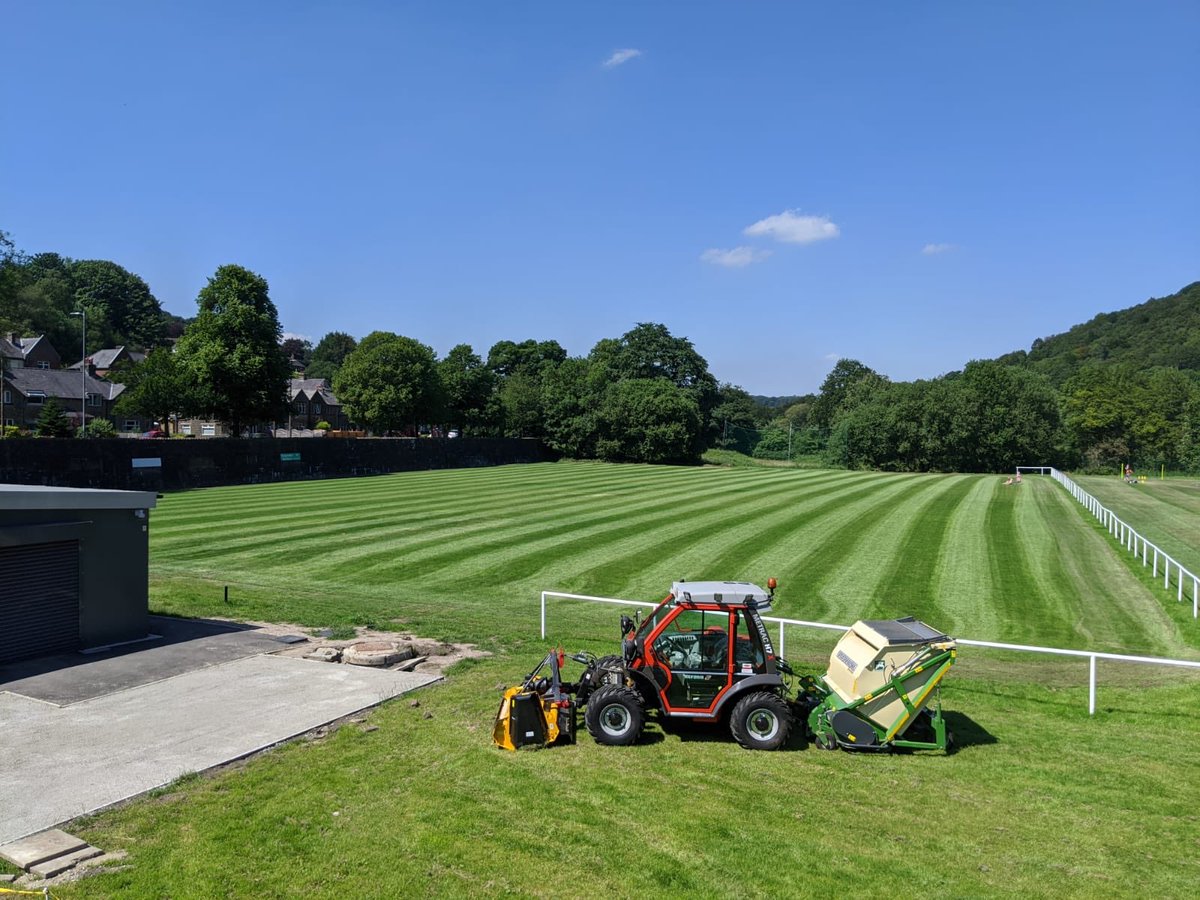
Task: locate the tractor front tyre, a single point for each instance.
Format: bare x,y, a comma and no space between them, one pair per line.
615,716
607,664
761,721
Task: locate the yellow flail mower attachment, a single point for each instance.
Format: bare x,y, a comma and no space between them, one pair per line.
539,711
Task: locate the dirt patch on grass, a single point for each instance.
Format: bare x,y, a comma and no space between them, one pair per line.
437,655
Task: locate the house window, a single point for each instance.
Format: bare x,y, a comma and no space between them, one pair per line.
8,396
185,427
130,425
93,399
43,364
35,398
208,430
316,409
301,406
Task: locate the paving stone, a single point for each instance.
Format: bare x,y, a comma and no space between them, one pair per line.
38,848
53,867
325,654
5,878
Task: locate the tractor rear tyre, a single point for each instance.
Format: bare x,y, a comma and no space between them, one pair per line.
615,716
761,721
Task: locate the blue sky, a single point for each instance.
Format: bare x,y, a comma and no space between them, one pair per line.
910,184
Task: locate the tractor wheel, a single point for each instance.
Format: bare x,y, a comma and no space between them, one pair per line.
615,716
761,721
609,662
827,741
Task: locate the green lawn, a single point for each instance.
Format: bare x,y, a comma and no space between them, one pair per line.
464,553
1166,512
1039,800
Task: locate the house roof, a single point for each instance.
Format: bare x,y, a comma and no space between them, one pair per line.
312,389
26,344
62,383
109,356
10,350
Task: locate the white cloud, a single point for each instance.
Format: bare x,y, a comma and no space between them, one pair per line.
833,357
621,56
934,249
792,228
735,258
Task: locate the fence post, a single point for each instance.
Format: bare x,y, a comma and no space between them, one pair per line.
543,615
1092,685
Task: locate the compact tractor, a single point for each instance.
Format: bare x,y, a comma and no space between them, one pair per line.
704,654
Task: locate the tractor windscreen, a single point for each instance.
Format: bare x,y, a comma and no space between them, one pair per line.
651,621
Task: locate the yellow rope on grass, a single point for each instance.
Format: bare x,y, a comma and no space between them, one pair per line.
44,892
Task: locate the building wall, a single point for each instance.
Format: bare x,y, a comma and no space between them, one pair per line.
113,564
43,356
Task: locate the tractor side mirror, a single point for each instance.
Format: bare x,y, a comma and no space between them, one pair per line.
627,626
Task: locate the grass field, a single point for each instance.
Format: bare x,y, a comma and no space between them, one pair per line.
1041,799
465,553
1166,512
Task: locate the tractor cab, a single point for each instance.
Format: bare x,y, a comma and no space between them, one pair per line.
702,647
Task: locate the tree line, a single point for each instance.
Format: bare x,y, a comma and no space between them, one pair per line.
646,396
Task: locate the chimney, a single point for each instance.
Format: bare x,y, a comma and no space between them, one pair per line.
14,340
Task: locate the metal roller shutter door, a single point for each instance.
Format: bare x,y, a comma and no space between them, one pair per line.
39,600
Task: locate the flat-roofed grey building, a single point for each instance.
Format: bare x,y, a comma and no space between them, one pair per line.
74,568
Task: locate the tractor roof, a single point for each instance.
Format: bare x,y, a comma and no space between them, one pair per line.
726,593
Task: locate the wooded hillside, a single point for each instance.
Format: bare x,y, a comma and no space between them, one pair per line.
1160,332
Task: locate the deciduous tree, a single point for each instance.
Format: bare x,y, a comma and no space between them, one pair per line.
328,355
231,352
155,388
120,307
390,382
648,420
468,385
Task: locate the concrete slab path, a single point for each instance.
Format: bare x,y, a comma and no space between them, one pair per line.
62,762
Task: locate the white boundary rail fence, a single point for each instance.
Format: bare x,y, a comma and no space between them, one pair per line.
1090,655
1129,539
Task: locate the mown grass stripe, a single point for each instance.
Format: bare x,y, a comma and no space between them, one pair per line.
858,586
962,584
1085,584
909,585
663,551
837,544
522,552
479,537
459,509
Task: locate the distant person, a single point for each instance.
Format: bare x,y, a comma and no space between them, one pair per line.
1018,478
1007,483
1129,479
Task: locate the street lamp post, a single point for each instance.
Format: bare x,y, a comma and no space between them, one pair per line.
82,313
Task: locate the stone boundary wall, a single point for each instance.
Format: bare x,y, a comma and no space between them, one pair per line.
171,465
